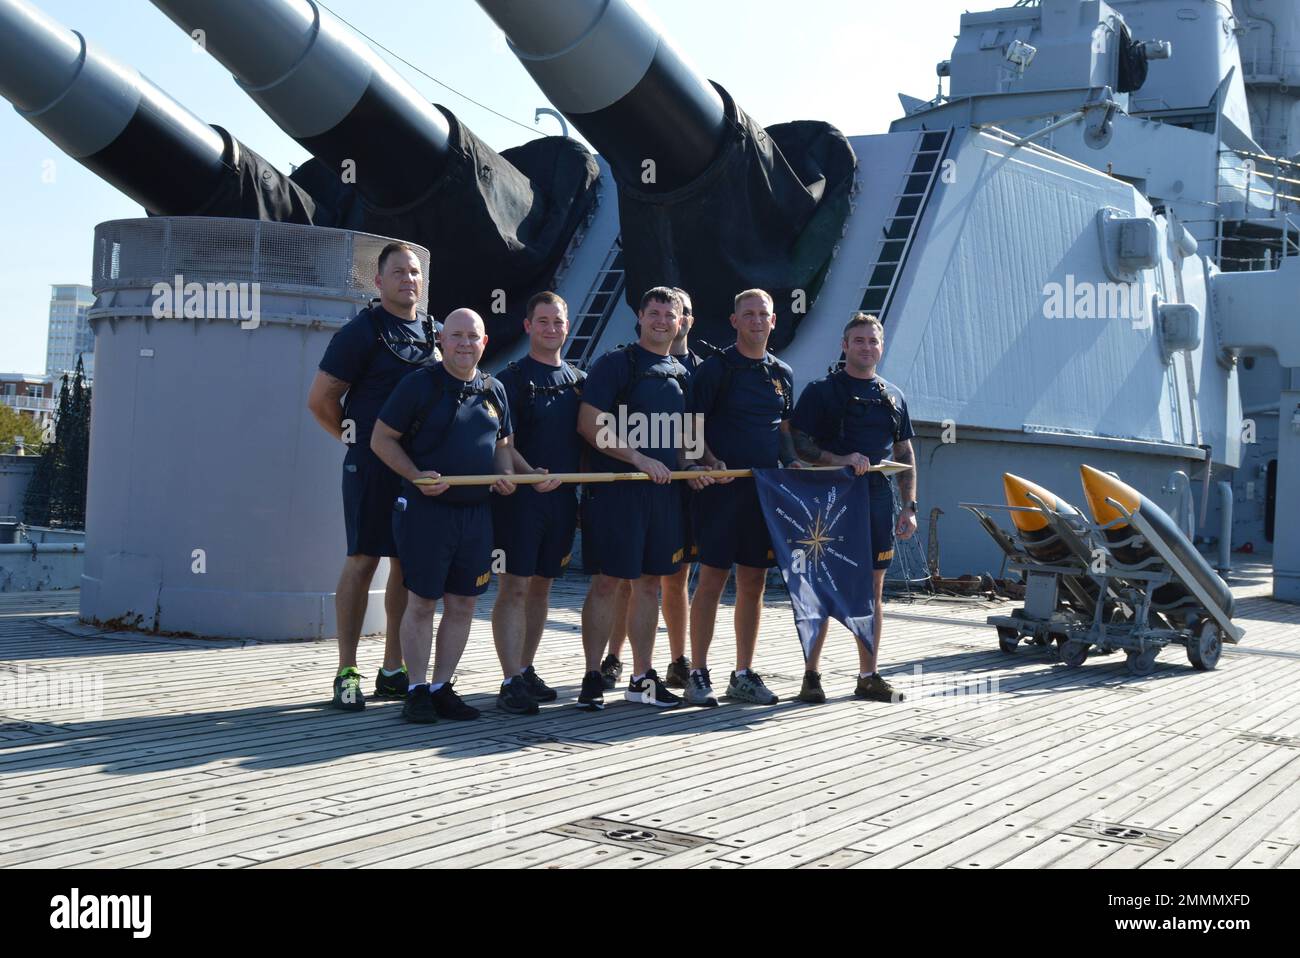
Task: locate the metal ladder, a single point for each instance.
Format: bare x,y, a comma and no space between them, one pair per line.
603,298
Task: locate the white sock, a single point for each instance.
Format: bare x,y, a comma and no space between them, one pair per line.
387,674
697,671
740,672
638,678
412,687
435,686
865,675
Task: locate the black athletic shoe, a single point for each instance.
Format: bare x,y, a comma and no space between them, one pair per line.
538,689
875,689
514,698
811,691
592,696
347,692
392,686
419,706
452,706
611,670
651,691
679,673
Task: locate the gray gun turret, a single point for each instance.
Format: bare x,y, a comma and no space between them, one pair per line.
708,200
116,123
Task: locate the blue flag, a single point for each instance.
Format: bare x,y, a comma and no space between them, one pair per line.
820,523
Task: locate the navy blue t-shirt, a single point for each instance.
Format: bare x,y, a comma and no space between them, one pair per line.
356,356
743,425
652,394
460,428
545,418
862,404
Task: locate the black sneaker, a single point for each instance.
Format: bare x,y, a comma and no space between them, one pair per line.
347,691
875,689
514,698
452,706
392,686
651,691
611,670
419,706
592,696
679,673
538,689
811,690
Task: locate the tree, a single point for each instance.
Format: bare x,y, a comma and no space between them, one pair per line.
14,423
56,495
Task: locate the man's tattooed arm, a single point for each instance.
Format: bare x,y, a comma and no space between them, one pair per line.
904,453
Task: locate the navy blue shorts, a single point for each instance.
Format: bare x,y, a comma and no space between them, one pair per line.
729,526
369,490
882,520
535,530
633,528
690,551
444,548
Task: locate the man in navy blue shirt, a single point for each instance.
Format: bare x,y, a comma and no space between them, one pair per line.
633,416
855,418
676,595
534,528
449,419
746,398
363,364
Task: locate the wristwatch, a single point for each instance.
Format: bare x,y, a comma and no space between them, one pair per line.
911,505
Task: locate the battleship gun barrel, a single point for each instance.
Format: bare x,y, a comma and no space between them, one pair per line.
106,115
327,90
621,83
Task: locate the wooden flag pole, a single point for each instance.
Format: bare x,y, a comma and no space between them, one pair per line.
885,467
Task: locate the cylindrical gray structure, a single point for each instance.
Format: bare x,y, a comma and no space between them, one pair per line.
327,90
621,83
107,116
214,500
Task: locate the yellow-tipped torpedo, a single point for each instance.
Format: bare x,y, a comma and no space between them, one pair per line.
1033,526
1099,487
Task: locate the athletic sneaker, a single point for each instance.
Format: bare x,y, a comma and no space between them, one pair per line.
699,691
514,698
592,696
679,673
611,670
419,706
452,706
651,691
811,691
875,689
347,691
392,686
748,687
538,689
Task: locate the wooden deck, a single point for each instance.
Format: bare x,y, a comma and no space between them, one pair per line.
224,754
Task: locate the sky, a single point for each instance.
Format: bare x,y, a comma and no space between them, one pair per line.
842,61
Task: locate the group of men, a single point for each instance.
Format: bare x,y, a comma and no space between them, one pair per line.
413,420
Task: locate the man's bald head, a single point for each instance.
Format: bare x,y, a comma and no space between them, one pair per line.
463,339
465,317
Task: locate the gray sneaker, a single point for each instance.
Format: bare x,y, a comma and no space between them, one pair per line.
749,687
699,691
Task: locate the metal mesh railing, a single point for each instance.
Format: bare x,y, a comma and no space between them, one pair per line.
280,256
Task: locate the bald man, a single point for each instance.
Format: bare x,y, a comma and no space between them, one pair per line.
454,419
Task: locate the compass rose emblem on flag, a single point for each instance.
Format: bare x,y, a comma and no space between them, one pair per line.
821,534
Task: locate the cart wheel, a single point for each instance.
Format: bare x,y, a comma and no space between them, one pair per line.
1142,663
1008,639
1074,653
1205,646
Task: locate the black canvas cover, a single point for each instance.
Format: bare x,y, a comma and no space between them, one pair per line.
253,189
493,221
766,214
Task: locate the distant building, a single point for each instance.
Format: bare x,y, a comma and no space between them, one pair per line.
33,396
70,334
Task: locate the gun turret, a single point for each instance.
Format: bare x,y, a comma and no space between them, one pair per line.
708,200
113,121
387,162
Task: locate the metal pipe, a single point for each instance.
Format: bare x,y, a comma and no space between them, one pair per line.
106,116
326,89
1225,529
656,121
